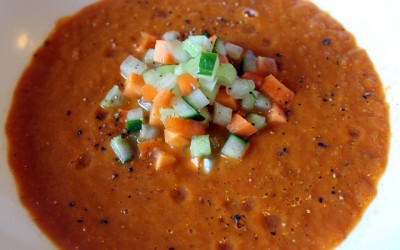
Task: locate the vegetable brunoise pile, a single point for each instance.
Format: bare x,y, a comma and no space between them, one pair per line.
184,95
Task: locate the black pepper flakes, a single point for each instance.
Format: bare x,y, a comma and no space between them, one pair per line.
103,148
273,233
72,204
69,112
326,41
104,222
286,150
237,219
321,200
79,132
322,145
280,153
278,55
130,170
79,221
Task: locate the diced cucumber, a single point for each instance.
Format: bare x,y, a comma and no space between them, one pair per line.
235,147
233,51
185,110
168,113
209,85
148,56
240,87
152,77
176,90
208,66
175,48
257,121
262,102
179,70
219,47
200,146
206,114
167,81
147,133
113,99
197,99
132,65
166,69
192,66
249,62
248,102
122,149
222,115
171,36
211,95
226,74
134,120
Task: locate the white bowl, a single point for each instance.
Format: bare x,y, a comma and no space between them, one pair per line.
25,24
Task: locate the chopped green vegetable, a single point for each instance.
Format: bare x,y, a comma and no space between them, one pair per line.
200,146
122,149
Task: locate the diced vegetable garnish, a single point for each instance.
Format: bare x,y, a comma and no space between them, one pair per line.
132,65
197,99
113,99
222,115
134,120
278,92
235,147
233,51
226,74
182,88
257,121
200,146
208,66
147,133
133,86
249,62
161,53
240,87
122,149
241,127
185,110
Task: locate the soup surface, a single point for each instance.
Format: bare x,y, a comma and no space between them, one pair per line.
301,185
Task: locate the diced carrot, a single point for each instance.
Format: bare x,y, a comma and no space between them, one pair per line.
227,100
164,160
147,41
161,54
187,83
161,100
278,92
241,127
133,86
150,146
223,59
175,140
213,39
266,66
276,114
148,93
258,80
186,128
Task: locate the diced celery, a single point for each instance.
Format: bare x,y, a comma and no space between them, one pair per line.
113,99
185,110
192,48
249,62
134,119
219,47
208,85
226,74
202,41
208,66
148,56
206,114
200,146
166,69
179,70
262,102
152,77
132,65
192,66
211,95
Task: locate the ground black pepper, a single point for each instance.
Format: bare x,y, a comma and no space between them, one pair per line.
326,41
72,204
79,132
322,145
104,222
